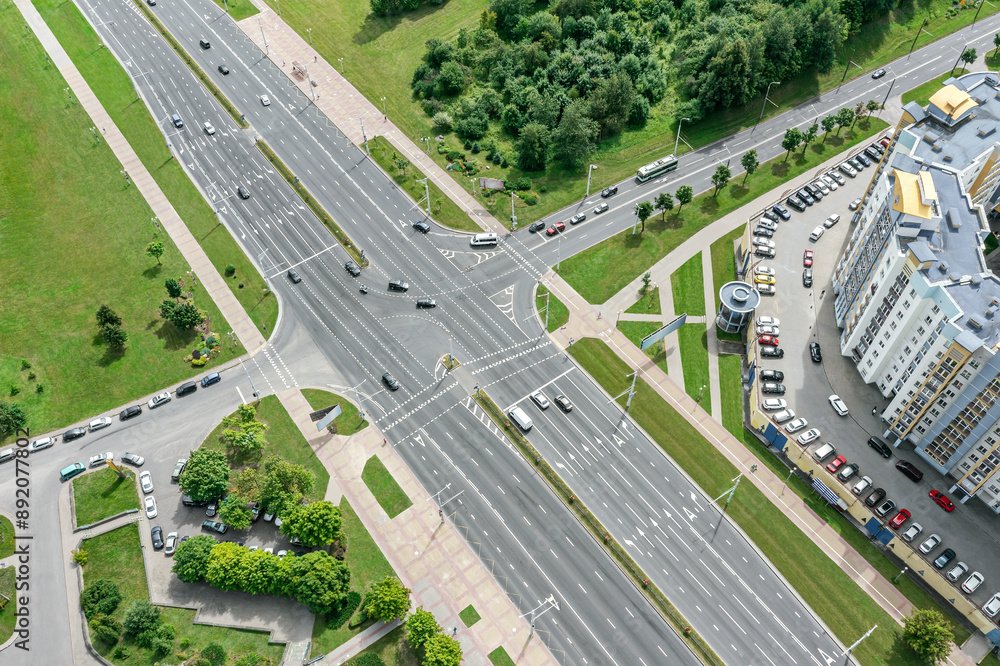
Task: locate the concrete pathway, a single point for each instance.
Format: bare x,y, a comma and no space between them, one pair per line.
348,108
714,385
364,640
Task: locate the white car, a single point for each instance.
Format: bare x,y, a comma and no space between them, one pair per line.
833,175
282,553
601,208
838,405
854,204
992,607
830,183
146,481
773,404
99,424
808,436
265,100
782,416
269,550
539,399
912,532
159,399
170,545
100,458
863,484
768,330
208,128
930,543
150,504
39,444
767,321
972,583
832,220
796,425
763,270
763,242
957,571
765,289
765,223
821,184
848,169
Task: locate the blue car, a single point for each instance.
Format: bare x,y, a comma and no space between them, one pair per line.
213,378
781,211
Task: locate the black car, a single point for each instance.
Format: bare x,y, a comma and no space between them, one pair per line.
877,496
796,203
353,268
243,192
771,215
214,526
878,73
910,470
129,412
763,231
187,387
205,44
578,218
157,534
609,191
782,212
816,193
223,69
390,381
426,303
766,252
772,352
807,277
536,226
815,352
398,285
293,276
872,153
187,501
133,459
880,446
421,226
805,196
944,558
75,433
772,375
770,387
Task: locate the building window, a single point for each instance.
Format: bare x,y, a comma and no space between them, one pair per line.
982,449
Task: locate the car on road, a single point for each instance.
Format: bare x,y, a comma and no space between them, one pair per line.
909,470
390,381
992,607
929,544
772,375
764,279
133,459
68,473
807,258
832,220
609,191
149,503
912,532
42,443
99,424
878,73
294,276
796,425
815,352
578,218
773,387
159,399
209,129
539,399
883,509
205,44
808,436
880,446
973,582
835,464
877,496
944,558
807,277
223,70
782,212
957,572
215,526
838,405
171,544
833,175
773,404
422,226
101,458
901,517
352,268
210,378
766,232
765,320
130,412
769,330
942,500
601,208
178,469
564,403
769,340
536,226
862,485
848,472
772,352
146,481
265,100
555,228
763,270
157,535
847,169
426,303
854,204
398,285
764,252
75,433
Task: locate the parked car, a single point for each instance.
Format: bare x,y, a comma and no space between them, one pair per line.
838,405
101,458
877,496
858,166
796,203
770,216
773,404
835,464
159,399
957,572
782,212
171,544
768,340
178,468
783,415
992,607
808,436
806,196
830,182
68,473
865,162
133,459
796,425
149,503
862,484
146,481
773,387
942,500
832,220
807,258
157,536
772,375
909,470
912,532
763,270
75,433
212,508
973,582
765,289
944,558
854,205
765,320
807,277
215,526
42,443
130,412
764,279
833,175
930,543
763,242
211,378
815,352
884,508
847,169
772,352
763,231
99,424
764,252
848,472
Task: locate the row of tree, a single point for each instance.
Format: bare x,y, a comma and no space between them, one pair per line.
426,636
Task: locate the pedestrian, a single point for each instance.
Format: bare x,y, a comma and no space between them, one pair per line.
570,342
314,58
598,314
104,130
753,468
874,409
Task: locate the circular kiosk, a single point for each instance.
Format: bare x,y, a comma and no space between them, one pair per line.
738,300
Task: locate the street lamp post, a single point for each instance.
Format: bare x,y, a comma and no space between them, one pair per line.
267,49
590,171
678,139
341,66
764,105
383,107
310,31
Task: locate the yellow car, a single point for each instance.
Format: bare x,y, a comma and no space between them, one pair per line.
764,279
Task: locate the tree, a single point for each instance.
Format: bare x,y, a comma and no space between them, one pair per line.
420,626
101,596
533,147
685,195
246,483
611,102
234,512
387,599
809,135
506,14
844,118
114,337
721,178
173,288
728,80
643,210
155,250
225,566
214,653
206,475
793,137
871,106
996,43
317,580
315,524
105,628
184,316
191,558
107,317
451,79
441,650
259,572
859,112
828,124
749,163
930,636
141,616
284,484
401,163
12,417
573,141
969,56
664,203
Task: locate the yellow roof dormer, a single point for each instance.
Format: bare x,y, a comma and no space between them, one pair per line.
912,194
953,101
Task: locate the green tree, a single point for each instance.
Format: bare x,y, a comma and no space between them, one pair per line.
996,43
284,485
206,475
420,626
441,650
317,580
105,628
808,136
533,147
234,512
155,250
259,572
214,653
12,417
114,337
643,210
191,558
829,30
749,163
664,203
969,56
611,102
928,633
828,124
685,195
387,599
316,523
100,597
573,141
844,118
859,112
246,483
225,566
451,79
401,163
729,77
107,317
141,616
793,137
506,14
173,288
721,178
184,316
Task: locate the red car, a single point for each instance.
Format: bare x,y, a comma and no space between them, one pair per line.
942,501
768,340
835,464
807,258
556,228
900,518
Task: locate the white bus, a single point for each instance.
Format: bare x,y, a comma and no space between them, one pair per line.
668,163
484,239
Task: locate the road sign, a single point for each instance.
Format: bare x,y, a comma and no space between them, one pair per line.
329,418
659,334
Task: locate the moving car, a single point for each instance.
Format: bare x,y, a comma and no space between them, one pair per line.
99,424
941,500
133,459
159,399
901,517
944,558
352,268
835,464
536,226
773,404
930,543
838,405
178,468
421,226
808,436
223,69
609,191
539,399
294,276
75,433
973,582
149,503
101,458
832,220
912,532
130,412
877,496
880,446
68,473
205,44
208,128
601,208
146,481
578,218
265,100
796,425
157,535
426,303
171,544
39,444
878,73
815,352
215,526
564,403
398,285
390,382
807,258
555,228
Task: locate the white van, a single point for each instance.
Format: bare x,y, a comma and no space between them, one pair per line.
522,420
484,239
824,452
817,233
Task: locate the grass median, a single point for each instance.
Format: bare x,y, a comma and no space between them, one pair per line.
389,495
349,422
635,331
922,94
558,313
688,285
647,304
102,494
7,617
601,271
6,537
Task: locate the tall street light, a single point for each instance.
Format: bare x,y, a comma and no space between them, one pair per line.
678,139
589,171
764,105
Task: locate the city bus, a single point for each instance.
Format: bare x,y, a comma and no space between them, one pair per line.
661,166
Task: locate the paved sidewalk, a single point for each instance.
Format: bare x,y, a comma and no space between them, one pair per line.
364,640
209,277
714,385
347,108
583,322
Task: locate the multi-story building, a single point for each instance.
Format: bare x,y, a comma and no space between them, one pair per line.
917,306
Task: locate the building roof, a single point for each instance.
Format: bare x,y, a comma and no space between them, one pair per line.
739,296
950,104
913,193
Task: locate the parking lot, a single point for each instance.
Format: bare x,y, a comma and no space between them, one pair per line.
806,315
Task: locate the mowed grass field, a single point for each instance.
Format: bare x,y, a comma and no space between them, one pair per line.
72,237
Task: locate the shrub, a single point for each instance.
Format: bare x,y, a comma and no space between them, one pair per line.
215,654
530,198
350,605
31,376
369,659
25,365
39,388
475,148
250,659
241,285
468,144
166,632
14,389
497,158
543,189
523,183
141,616
230,270
105,629
454,155
100,597
198,362
122,652
80,557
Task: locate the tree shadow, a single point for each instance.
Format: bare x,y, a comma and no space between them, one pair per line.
153,272
376,26
738,191
111,356
780,169
173,338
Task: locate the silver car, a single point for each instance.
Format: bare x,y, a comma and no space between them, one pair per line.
808,436
539,399
930,543
39,444
796,425
99,424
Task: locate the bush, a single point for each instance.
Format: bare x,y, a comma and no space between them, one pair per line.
368,659
250,659
105,629
122,652
166,632
454,156
198,362
530,198
101,597
442,122
497,158
214,653
523,183
346,610
474,149
230,270
543,189
141,616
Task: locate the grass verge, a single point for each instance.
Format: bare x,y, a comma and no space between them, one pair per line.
237,9
469,616
558,313
635,331
117,555
283,439
922,94
387,492
688,285
693,343
393,649
102,494
367,564
348,422
731,390
6,538
724,261
7,619
648,304
443,209
499,657
601,271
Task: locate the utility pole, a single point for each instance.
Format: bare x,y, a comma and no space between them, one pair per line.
427,140
538,611
436,495
846,67
898,576
558,254
869,632
589,171
886,97
427,195
630,391
364,136
764,105
970,28
383,107
255,394
357,398
961,52
267,49
730,493
341,66
915,37
513,217
313,92
310,31
678,139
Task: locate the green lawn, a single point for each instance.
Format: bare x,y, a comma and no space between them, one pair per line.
92,237
648,304
469,616
558,312
348,422
7,614
283,438
387,492
6,538
922,94
238,9
367,564
842,605
499,657
443,209
112,86
393,649
688,285
693,342
990,660
635,331
117,555
102,494
731,388
606,268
